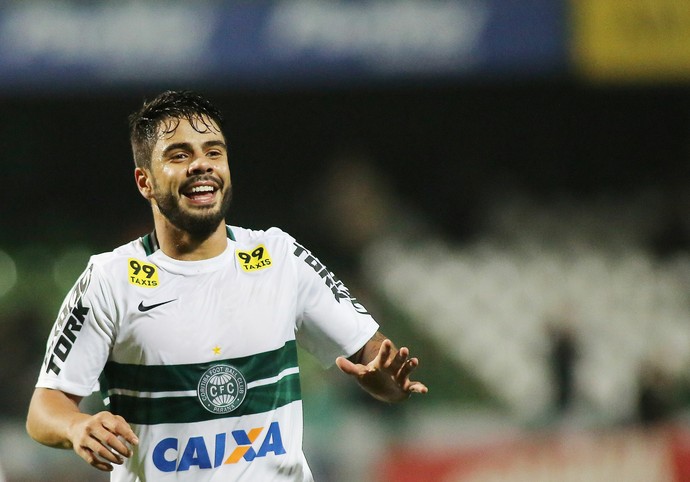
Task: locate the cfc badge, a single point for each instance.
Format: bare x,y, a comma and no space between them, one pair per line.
222,389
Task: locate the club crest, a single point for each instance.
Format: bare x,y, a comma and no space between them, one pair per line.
222,389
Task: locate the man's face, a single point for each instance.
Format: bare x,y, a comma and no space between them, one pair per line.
190,177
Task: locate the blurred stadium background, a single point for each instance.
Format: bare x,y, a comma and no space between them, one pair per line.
503,183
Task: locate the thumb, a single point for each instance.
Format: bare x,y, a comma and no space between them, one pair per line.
346,366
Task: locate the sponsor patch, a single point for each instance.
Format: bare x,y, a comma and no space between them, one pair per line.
199,452
255,259
68,325
339,290
141,273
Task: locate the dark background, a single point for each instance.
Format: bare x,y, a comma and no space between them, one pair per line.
444,147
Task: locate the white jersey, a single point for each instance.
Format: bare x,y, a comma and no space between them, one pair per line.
200,357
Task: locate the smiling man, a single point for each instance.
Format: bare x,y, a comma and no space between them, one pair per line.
192,329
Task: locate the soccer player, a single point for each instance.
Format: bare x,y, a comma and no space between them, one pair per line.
191,330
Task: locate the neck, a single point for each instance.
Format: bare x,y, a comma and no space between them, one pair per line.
182,245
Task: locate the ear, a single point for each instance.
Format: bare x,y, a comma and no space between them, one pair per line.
143,179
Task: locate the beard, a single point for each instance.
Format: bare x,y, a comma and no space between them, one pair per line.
201,223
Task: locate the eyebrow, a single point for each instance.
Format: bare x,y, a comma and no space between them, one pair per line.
188,147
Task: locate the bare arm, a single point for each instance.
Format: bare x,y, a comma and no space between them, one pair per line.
382,370
55,420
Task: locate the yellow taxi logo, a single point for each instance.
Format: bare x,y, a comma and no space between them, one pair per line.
142,274
255,259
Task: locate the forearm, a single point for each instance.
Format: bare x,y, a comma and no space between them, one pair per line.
370,350
51,415
55,420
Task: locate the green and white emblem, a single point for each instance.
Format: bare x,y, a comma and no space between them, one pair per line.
222,388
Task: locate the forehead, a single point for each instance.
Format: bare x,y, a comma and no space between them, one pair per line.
172,130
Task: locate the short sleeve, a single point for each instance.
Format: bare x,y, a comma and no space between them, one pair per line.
82,335
331,322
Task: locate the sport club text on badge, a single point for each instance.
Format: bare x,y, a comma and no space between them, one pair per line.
222,389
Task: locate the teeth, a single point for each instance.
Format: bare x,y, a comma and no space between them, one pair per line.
202,189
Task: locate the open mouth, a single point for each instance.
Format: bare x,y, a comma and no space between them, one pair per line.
201,194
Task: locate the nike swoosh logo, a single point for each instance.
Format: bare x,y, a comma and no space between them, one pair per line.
143,308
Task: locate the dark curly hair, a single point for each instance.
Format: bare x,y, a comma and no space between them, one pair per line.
163,114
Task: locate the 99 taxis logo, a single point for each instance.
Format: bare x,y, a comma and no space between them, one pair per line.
142,274
255,259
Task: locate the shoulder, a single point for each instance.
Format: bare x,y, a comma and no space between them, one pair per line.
106,262
249,236
134,248
100,277
274,239
272,244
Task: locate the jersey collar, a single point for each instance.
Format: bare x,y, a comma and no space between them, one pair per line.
150,241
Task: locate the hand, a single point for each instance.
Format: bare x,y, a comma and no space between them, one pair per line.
100,440
387,376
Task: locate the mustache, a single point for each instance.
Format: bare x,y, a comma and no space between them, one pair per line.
202,178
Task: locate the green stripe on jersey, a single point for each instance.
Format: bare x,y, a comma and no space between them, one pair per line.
147,241
147,394
152,411
164,378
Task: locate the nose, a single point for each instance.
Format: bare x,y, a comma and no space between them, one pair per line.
200,165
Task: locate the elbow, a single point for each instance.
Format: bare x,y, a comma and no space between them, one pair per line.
50,417
33,424
32,427
29,430
42,416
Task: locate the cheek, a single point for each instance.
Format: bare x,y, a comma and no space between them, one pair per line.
167,171
164,178
224,171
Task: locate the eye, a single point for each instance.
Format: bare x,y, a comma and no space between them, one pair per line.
179,156
214,153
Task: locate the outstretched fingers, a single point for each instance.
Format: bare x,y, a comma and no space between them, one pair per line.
383,359
406,369
346,366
